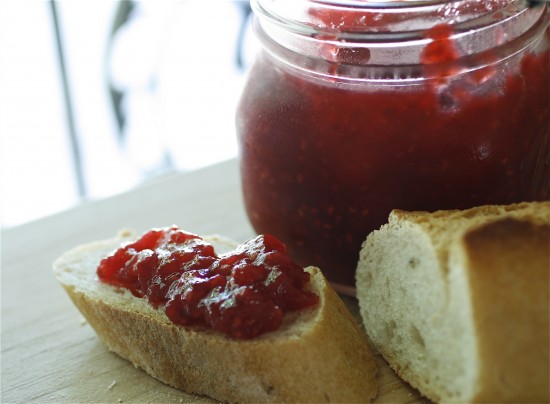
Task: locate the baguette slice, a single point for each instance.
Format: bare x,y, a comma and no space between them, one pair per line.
319,355
457,301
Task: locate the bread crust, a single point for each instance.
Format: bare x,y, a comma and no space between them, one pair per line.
319,355
509,266
501,253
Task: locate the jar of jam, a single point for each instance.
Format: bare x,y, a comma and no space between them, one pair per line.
354,108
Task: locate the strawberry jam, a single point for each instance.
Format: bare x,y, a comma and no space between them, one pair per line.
337,128
243,293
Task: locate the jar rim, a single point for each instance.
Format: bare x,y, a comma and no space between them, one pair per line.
383,20
476,42
393,4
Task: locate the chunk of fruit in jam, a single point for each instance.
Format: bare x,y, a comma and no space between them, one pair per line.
243,293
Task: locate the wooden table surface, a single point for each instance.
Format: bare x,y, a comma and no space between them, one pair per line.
49,353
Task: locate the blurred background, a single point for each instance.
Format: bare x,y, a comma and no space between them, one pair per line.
97,97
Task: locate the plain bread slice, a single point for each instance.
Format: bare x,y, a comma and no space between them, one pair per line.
458,302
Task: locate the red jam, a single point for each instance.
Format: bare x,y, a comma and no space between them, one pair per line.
324,161
243,293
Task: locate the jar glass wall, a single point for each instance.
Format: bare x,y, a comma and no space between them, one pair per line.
355,108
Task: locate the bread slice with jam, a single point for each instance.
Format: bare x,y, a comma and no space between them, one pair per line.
318,354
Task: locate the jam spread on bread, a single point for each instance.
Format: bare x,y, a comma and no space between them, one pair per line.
243,293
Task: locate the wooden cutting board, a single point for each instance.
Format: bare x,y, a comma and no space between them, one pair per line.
50,354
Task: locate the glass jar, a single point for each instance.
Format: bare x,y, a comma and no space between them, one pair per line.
355,107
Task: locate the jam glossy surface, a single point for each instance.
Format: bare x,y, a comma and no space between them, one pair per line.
243,293
324,161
